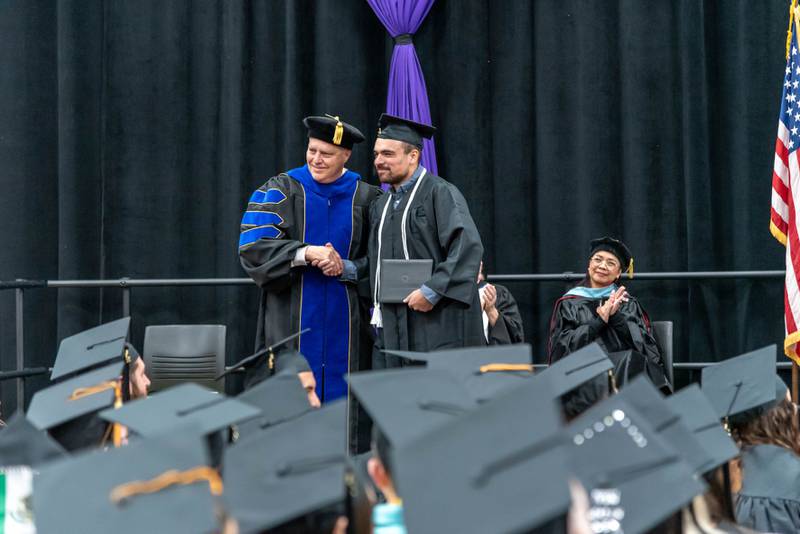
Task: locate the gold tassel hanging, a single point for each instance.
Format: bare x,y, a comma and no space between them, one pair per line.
338,132
630,269
116,432
116,385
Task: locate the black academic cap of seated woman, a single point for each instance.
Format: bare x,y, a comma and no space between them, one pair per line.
745,387
615,247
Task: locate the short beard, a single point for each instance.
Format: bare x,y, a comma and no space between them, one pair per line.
390,179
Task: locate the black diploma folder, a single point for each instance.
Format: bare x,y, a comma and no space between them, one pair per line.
400,277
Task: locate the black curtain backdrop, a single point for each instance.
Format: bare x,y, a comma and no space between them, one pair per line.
133,132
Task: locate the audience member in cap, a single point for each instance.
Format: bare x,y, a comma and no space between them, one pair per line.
303,240
387,518
502,323
424,218
769,499
598,309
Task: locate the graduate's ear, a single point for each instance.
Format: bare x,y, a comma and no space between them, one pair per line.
346,152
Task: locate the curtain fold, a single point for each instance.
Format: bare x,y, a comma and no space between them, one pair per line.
407,95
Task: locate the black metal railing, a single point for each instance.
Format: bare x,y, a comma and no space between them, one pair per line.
126,285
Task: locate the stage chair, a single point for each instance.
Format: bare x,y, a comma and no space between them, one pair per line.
175,354
662,331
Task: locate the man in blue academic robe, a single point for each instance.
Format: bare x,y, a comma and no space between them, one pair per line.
303,240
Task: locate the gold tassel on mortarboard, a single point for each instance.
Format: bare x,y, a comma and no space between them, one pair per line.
169,478
630,269
80,393
338,133
505,367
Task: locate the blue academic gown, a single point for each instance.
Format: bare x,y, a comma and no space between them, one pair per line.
289,212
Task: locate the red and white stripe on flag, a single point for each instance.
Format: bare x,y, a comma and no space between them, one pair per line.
786,187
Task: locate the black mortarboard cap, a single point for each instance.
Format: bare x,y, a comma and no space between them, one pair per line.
84,394
186,404
485,371
272,353
399,129
80,494
485,471
406,403
279,399
744,387
288,471
699,416
615,247
576,368
21,443
666,422
634,479
333,130
291,361
98,345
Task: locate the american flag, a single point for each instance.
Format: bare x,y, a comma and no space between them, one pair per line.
786,188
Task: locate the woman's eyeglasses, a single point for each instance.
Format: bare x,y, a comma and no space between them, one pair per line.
610,263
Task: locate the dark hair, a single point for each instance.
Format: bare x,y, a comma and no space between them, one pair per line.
718,497
408,147
777,426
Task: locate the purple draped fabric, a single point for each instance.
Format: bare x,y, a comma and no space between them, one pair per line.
407,96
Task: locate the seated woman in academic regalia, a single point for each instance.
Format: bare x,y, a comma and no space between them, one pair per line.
597,309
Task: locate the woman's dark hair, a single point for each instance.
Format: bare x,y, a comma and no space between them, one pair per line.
719,497
777,426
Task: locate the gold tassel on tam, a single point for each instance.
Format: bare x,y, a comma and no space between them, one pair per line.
630,268
338,132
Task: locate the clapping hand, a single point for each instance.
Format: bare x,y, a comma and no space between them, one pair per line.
489,303
326,259
613,303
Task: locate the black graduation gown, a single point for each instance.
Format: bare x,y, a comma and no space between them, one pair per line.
268,262
439,227
769,500
626,337
508,328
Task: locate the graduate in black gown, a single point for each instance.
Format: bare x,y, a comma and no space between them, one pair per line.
769,499
502,322
599,310
424,218
753,402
